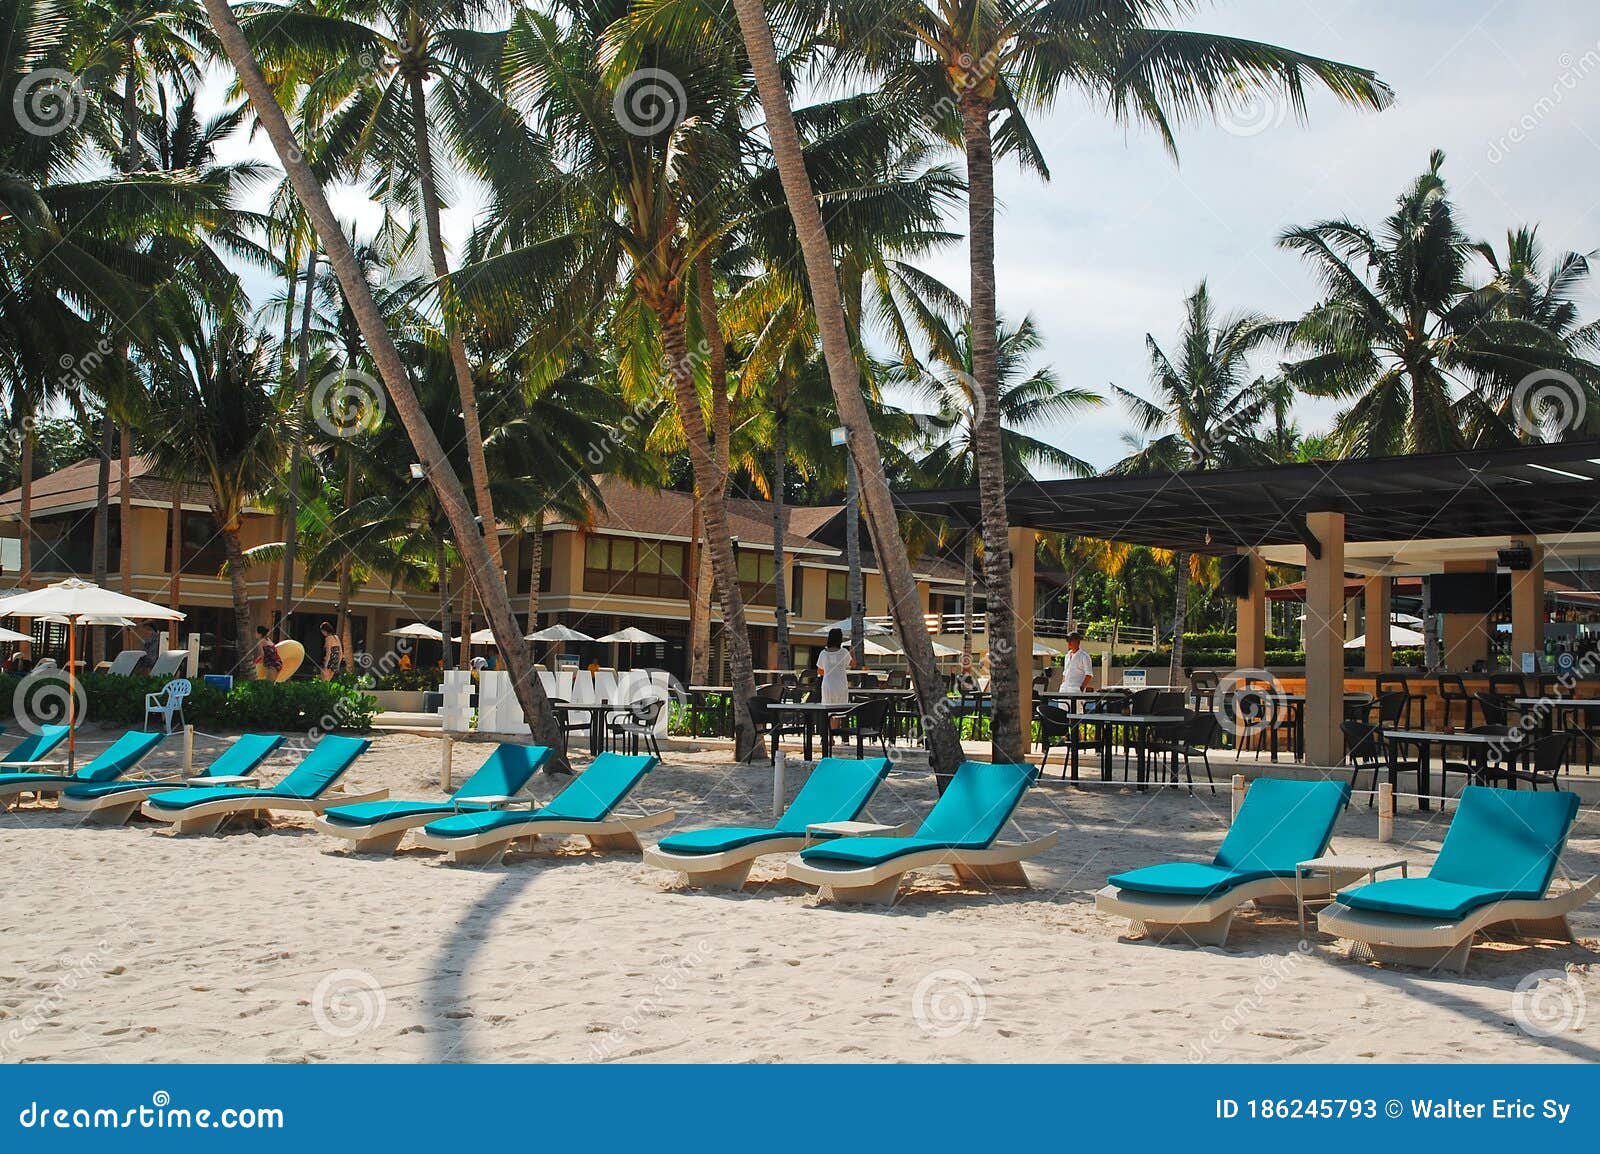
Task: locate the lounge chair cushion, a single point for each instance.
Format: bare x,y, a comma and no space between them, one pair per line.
1282,823
589,797
1506,840
1188,879
323,766
973,810
16,779
1421,897
36,746
240,759
373,812
706,841
837,790
505,771
121,756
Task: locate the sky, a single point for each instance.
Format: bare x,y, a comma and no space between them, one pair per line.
1106,250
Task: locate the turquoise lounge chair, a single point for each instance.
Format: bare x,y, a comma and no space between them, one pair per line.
1280,824
959,832
35,749
121,756
838,790
379,826
1495,868
114,802
586,807
304,790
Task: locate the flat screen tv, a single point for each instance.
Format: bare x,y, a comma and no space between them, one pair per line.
1466,592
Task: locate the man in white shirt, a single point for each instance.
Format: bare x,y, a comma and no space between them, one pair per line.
1078,673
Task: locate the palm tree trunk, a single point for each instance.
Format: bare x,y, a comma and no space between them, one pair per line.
481,562
476,461
25,517
100,549
852,549
125,507
1005,675
1180,615
175,558
700,613
904,602
297,435
243,666
969,548
442,564
347,568
780,530
719,541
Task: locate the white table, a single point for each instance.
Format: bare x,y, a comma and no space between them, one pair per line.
824,829
489,800
1339,868
224,779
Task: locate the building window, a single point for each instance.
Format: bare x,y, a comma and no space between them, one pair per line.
202,545
65,544
755,578
838,596
635,568
797,585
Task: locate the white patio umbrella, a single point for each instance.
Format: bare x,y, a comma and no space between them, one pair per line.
870,628
878,649
92,619
942,650
630,637
480,637
559,633
13,635
75,601
1398,635
418,630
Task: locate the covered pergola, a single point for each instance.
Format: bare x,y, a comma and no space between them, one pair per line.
1370,519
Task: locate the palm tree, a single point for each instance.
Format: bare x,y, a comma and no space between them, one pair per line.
845,378
393,74
1025,398
1423,360
215,403
974,66
653,198
1205,414
480,563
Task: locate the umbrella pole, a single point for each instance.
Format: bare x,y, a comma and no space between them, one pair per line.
72,696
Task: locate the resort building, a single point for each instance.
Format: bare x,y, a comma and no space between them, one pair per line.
632,563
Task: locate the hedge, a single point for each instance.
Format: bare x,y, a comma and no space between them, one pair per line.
259,705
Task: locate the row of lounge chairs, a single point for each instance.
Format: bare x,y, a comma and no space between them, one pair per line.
1495,869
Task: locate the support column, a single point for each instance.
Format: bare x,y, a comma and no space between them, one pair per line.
1252,616
1324,640
1375,603
1023,544
1527,610
1466,635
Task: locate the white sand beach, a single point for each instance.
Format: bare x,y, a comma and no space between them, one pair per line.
129,945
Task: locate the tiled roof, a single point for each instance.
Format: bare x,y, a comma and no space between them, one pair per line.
74,487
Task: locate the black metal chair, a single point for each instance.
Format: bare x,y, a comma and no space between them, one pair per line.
1546,757
637,724
1393,683
1453,691
1200,732
1391,709
1496,710
567,721
1056,731
868,721
1363,749
1472,771
771,724
1508,685
1203,689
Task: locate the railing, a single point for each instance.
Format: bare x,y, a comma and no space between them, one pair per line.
1132,636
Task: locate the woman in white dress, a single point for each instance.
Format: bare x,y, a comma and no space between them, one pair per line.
832,663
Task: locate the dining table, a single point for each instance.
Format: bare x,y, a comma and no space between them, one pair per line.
1478,745
816,715
1141,727
598,711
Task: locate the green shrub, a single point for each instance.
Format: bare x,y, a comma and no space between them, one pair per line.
411,680
261,705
